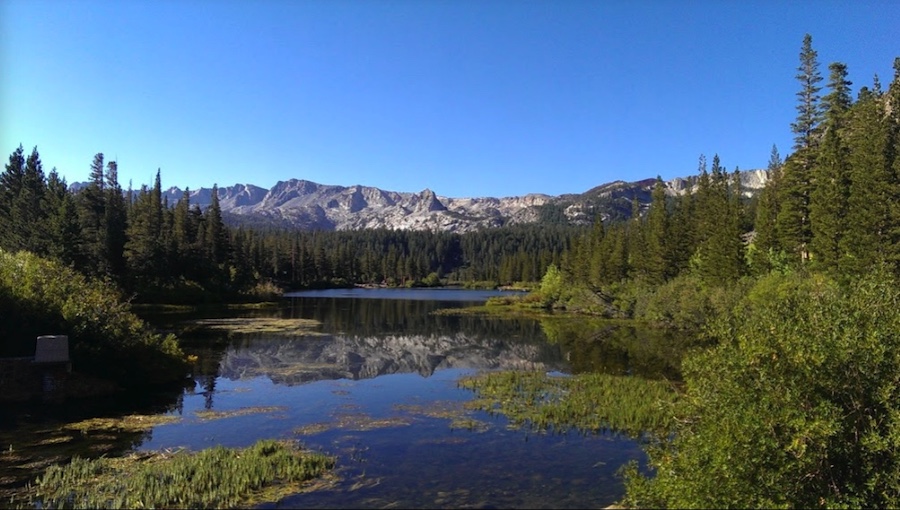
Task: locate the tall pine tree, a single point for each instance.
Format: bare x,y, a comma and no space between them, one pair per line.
765,245
831,176
11,184
794,230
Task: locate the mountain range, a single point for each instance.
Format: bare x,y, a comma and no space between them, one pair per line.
307,205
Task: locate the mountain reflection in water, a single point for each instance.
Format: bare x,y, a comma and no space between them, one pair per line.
313,358
376,385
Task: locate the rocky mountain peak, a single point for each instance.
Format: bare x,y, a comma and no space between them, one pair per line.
303,204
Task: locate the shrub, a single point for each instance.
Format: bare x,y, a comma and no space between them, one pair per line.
798,405
686,302
40,297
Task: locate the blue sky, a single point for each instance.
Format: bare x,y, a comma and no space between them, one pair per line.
465,97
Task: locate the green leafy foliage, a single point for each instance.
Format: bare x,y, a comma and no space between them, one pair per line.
106,339
687,302
798,406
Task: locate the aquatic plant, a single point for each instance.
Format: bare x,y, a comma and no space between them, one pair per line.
588,403
207,415
268,325
214,478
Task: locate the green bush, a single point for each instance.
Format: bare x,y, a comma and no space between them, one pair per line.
686,302
552,287
41,297
798,405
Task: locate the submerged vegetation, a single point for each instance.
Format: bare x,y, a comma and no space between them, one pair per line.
207,415
214,478
588,403
247,325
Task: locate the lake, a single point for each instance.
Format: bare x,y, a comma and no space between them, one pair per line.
376,385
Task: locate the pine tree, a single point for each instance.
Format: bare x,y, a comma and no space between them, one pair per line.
216,240
794,230
29,205
829,196
873,186
600,254
681,233
115,217
184,234
637,243
91,214
765,241
11,184
657,258
145,249
809,111
893,160
63,228
618,254
719,258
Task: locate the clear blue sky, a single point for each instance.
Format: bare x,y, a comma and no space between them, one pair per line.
465,97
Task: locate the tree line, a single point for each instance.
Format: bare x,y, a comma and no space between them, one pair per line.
833,205
150,247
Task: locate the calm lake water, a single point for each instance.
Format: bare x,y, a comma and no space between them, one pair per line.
376,385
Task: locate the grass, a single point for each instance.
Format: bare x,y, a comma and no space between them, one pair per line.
587,403
243,411
213,478
252,306
356,422
498,310
27,451
130,423
249,325
351,420
459,417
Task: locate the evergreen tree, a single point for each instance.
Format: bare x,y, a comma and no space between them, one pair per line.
657,259
765,241
720,255
809,111
11,184
29,206
216,240
145,249
873,186
637,243
184,235
91,214
63,228
794,230
115,217
682,234
829,196
893,161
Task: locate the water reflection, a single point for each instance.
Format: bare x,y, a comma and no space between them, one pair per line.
367,338
379,358
304,359
617,349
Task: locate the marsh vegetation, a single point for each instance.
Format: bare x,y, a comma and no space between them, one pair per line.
212,478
